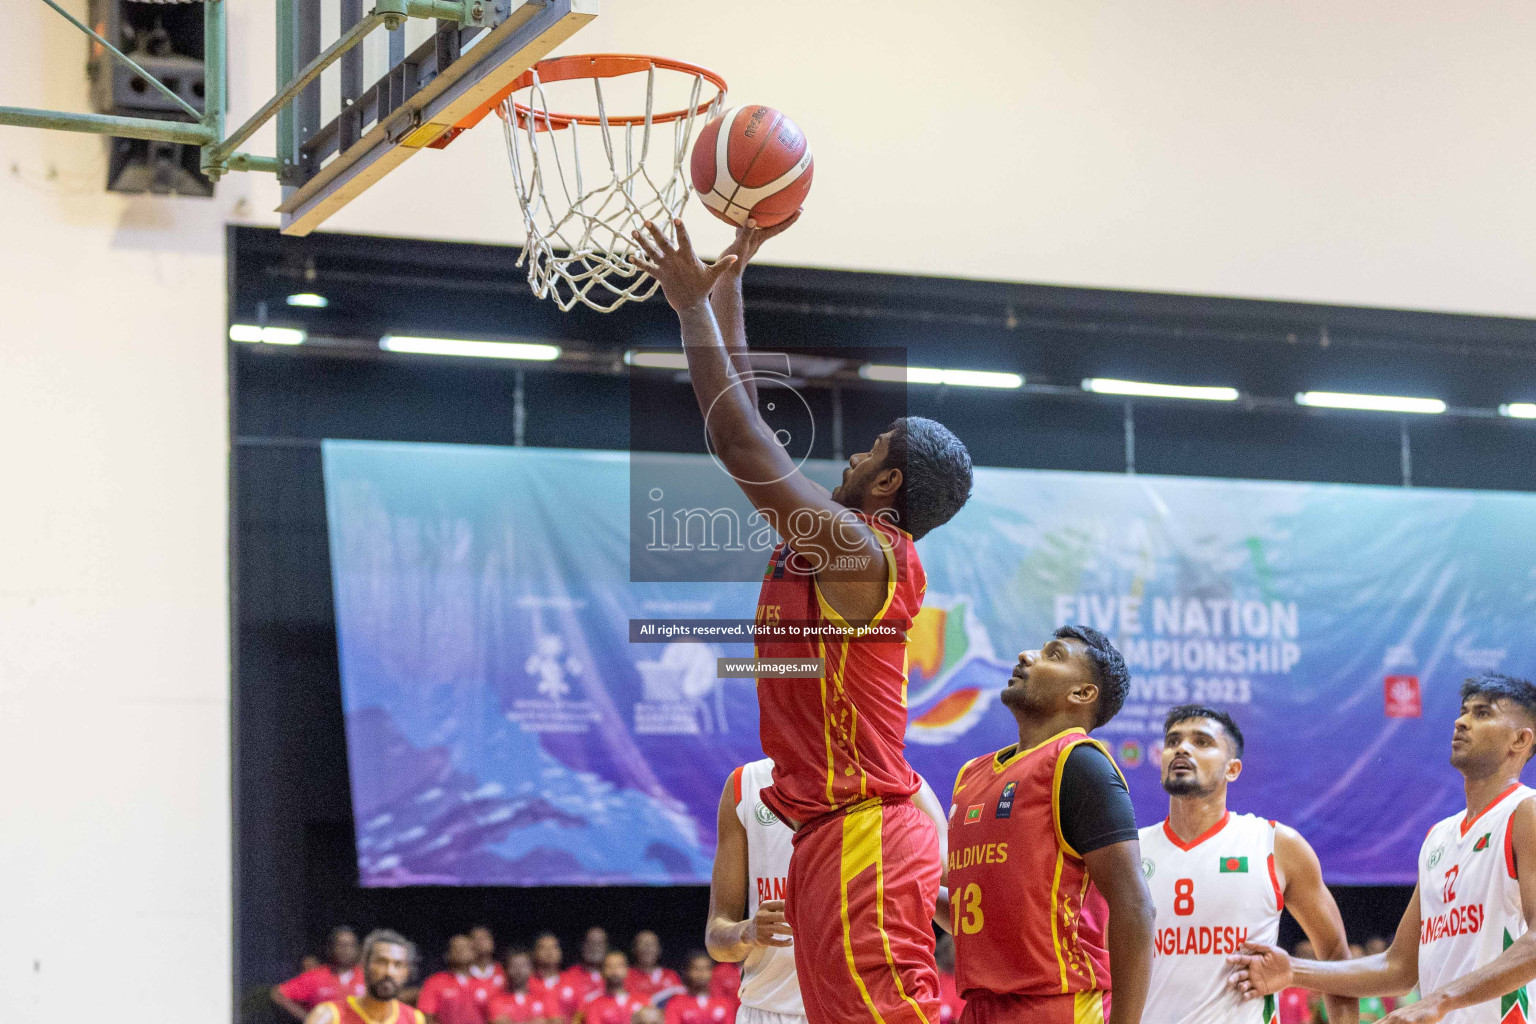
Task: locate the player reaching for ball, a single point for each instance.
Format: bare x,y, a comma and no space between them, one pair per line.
1466,937
864,876
1220,879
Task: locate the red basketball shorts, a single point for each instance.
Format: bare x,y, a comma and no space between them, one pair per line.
860,901
1090,1007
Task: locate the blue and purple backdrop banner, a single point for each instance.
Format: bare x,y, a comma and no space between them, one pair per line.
502,729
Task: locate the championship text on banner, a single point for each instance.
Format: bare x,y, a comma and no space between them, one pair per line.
506,723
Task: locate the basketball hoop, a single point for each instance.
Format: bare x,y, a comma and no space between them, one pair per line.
579,208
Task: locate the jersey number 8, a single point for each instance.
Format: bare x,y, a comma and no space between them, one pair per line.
1184,897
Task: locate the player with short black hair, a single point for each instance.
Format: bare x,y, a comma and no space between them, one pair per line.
1221,879
1047,898
865,871
1466,939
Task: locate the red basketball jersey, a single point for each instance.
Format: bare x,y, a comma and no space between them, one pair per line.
347,1012
1028,920
517,1008
603,1008
837,740
451,999
691,1009
647,985
324,985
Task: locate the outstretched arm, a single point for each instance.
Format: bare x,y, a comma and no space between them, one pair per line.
1510,969
730,935
1260,970
1310,902
802,512
726,295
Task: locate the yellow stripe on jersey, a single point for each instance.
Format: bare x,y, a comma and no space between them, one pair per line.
861,852
1082,902
1088,1007
826,722
1061,961
1061,766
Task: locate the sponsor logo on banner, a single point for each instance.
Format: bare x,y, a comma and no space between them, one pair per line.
680,692
1403,697
553,668
1130,753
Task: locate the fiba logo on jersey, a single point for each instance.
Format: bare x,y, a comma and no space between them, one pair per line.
763,814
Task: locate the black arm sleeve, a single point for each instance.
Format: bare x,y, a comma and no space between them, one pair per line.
1094,804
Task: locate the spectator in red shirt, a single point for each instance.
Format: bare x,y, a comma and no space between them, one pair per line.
548,984
338,978
516,1005
448,997
485,973
648,981
612,1004
586,977
698,1005
950,1003
724,982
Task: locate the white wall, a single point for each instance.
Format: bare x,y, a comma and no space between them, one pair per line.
1379,152
1375,153
114,679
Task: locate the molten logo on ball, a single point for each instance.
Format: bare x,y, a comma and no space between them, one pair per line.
752,162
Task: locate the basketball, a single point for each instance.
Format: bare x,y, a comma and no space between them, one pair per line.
752,162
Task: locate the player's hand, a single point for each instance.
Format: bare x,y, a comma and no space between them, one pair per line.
768,927
1425,1011
685,279
1260,970
750,238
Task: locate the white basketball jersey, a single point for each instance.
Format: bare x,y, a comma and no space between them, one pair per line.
768,979
1469,903
1212,895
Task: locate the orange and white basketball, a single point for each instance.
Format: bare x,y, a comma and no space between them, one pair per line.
752,162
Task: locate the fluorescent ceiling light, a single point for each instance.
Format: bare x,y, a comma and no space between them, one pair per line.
309,300
268,335
656,360
1108,386
931,375
463,347
1519,410
1373,403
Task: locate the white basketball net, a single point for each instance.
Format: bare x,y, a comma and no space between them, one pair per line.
584,187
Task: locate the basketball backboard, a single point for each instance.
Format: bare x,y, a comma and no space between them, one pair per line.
341,136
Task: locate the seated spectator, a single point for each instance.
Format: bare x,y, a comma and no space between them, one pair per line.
1295,1006
517,1005
613,1004
586,978
308,962
548,985
648,981
338,978
724,982
448,997
485,970
647,1014
698,1005
950,1003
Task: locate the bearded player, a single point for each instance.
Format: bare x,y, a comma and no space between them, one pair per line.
1220,879
1047,897
864,876
387,962
1465,938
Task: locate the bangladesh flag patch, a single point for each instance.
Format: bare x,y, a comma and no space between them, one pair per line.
1482,843
1234,865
